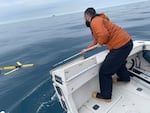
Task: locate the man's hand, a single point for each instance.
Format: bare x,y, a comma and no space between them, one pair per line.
89,49
83,51
98,45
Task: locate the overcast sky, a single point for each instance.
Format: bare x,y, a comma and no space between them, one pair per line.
12,10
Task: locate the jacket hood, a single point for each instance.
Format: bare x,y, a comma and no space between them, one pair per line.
104,16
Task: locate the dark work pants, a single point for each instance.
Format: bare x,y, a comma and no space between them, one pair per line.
114,63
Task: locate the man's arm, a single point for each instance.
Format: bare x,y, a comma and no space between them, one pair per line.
100,33
94,43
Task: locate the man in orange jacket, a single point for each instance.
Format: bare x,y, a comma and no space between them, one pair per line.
119,43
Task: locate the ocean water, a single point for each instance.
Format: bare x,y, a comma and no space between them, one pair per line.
46,42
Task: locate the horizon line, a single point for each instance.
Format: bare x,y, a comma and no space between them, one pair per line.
61,14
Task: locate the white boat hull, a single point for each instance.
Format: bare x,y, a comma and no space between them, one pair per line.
74,83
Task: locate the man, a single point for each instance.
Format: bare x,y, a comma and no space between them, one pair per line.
117,41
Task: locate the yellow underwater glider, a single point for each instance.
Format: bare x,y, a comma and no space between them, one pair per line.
15,68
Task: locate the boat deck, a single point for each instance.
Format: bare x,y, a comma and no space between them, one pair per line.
126,98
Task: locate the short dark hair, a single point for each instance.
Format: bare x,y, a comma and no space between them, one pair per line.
90,11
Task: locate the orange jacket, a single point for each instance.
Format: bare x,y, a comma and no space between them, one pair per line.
107,33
